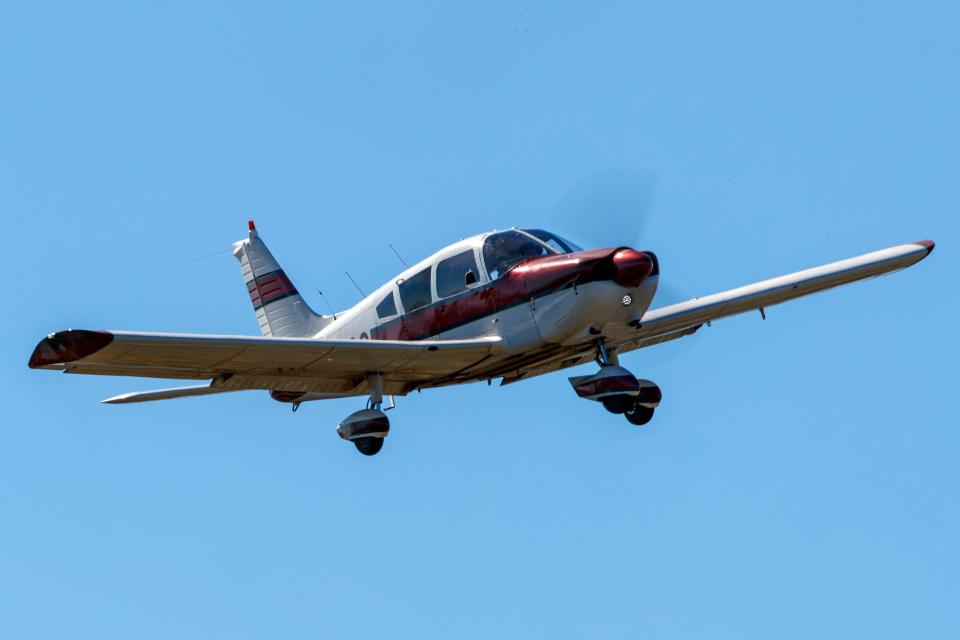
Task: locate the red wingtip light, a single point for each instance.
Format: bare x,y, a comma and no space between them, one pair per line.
252,226
926,244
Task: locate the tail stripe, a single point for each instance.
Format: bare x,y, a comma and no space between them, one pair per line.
270,287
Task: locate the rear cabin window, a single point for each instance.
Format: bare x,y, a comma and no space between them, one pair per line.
387,308
415,291
455,272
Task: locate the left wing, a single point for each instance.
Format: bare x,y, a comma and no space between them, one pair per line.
247,362
678,320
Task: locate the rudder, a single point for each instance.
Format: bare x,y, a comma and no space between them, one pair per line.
281,310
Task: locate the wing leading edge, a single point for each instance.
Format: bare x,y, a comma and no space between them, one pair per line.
676,319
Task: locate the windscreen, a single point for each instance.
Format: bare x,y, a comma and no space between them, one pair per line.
557,243
505,250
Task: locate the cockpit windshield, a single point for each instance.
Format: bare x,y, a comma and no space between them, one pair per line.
554,241
505,250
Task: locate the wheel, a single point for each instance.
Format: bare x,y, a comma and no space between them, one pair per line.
618,404
639,414
368,446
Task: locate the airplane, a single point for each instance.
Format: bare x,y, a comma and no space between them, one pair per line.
508,305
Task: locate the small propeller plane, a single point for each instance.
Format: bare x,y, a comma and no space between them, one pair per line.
510,304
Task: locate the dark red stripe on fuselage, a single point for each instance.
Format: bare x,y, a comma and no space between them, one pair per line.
455,311
529,280
270,287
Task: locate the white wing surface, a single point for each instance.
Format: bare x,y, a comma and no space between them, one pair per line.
687,316
247,362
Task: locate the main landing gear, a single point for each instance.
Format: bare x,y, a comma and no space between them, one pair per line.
618,390
367,428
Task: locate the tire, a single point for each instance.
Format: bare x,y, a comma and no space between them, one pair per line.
639,415
368,446
618,404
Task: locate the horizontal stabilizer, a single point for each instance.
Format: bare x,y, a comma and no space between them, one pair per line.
164,394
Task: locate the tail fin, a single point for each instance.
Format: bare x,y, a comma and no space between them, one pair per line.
281,311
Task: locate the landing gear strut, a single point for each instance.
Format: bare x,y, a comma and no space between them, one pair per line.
618,390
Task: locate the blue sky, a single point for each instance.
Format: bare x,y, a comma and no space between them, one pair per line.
800,478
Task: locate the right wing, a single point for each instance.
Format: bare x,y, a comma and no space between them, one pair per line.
677,320
248,362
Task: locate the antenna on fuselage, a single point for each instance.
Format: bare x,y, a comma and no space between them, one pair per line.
362,294
329,306
396,253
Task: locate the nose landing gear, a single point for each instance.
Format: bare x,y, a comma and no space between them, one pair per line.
647,399
618,390
639,415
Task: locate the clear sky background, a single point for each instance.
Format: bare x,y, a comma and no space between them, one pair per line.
801,478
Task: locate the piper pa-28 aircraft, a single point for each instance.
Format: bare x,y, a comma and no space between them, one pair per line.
508,304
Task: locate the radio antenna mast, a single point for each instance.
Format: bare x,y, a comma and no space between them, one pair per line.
362,294
396,253
329,306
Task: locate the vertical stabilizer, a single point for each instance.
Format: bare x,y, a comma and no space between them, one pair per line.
281,310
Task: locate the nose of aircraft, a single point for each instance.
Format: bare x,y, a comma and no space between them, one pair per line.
632,266
627,267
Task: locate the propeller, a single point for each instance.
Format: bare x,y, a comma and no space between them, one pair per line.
609,208
613,208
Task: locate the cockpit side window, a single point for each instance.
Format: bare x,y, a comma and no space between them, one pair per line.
554,241
505,250
415,291
387,307
455,273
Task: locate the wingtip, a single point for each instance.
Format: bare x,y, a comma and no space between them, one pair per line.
68,346
926,244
